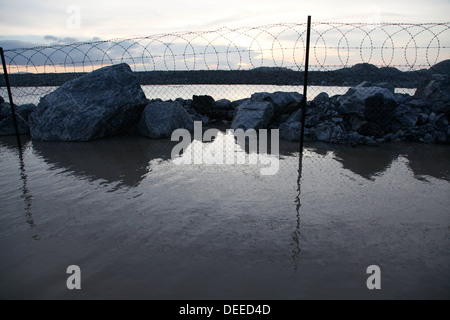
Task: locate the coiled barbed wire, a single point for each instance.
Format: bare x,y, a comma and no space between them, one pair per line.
407,46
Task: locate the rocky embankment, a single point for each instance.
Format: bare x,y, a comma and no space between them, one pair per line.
110,101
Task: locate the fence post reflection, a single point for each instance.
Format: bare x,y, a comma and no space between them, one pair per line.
296,234
26,196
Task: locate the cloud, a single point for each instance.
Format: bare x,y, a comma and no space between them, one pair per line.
15,44
144,54
52,40
109,19
244,48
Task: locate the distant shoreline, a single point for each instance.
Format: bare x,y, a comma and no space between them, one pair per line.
262,76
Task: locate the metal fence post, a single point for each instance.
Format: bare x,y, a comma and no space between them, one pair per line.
295,238
305,86
13,112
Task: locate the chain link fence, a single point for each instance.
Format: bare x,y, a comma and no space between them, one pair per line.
369,84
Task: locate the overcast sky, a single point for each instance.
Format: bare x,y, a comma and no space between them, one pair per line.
31,23
31,20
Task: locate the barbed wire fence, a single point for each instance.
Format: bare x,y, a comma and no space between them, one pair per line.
336,45
258,65
407,47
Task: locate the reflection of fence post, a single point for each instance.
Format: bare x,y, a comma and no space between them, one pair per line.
13,112
305,86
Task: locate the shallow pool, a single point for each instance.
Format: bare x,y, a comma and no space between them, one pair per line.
139,226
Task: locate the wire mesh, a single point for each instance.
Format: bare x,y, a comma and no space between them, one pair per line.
362,81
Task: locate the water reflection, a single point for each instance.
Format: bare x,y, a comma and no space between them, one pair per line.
26,195
369,162
124,160
296,234
429,160
10,143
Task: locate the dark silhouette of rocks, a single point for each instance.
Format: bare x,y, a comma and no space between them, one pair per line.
122,164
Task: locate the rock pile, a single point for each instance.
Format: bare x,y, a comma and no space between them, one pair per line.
109,101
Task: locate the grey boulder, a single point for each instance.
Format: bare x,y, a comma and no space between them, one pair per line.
203,104
281,101
406,118
253,115
219,110
104,102
290,129
380,109
436,90
160,119
353,101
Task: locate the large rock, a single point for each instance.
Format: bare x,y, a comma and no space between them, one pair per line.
105,102
353,101
290,129
219,110
253,115
22,115
436,90
379,110
203,104
368,109
406,118
283,102
235,104
160,119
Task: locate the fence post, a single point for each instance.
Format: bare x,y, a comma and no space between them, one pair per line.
13,112
305,86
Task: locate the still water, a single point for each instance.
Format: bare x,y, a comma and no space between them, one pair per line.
22,95
140,226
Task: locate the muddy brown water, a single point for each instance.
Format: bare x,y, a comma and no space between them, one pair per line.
139,226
